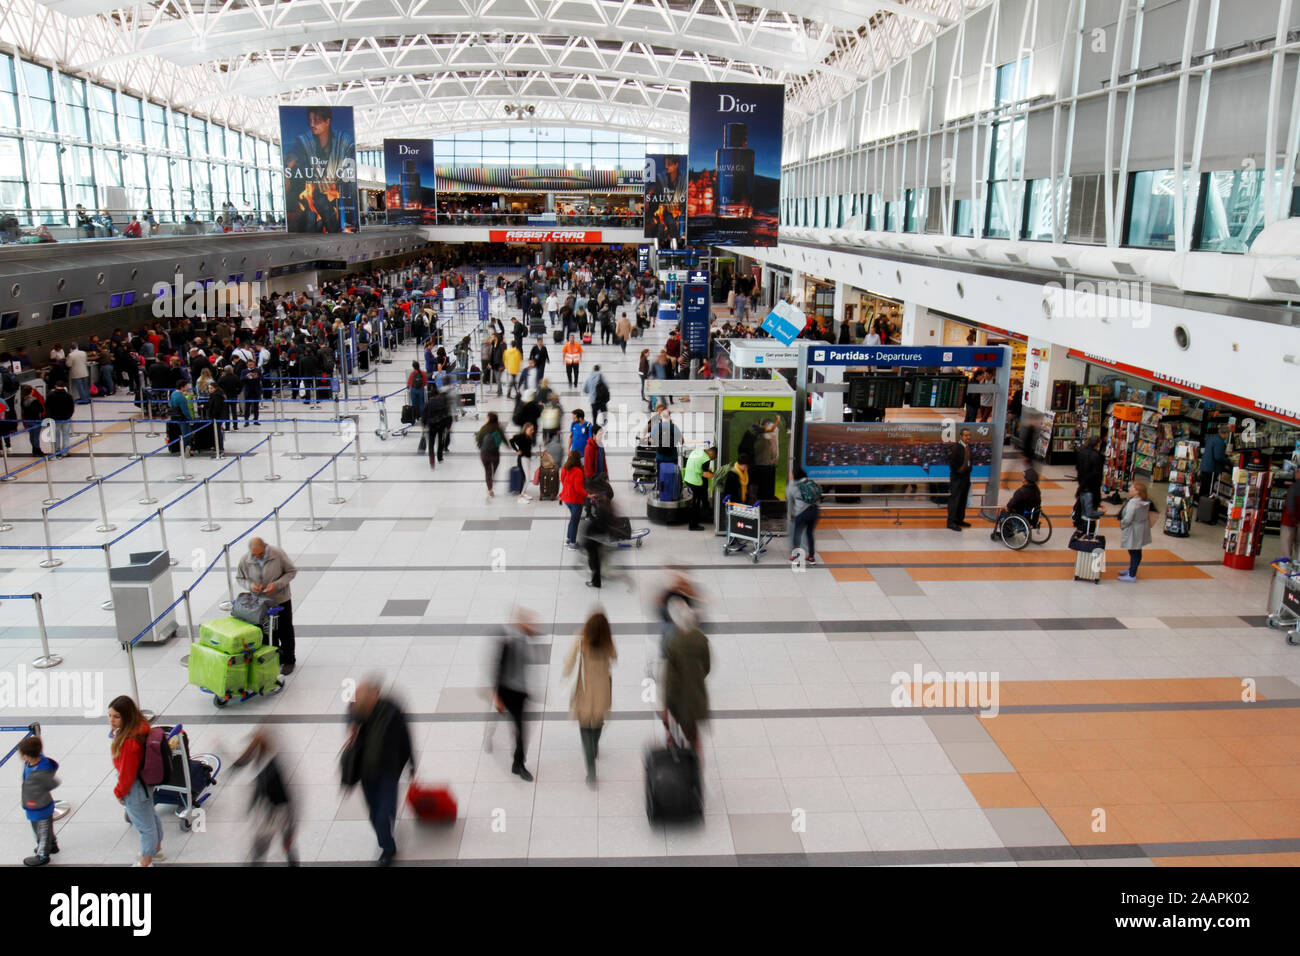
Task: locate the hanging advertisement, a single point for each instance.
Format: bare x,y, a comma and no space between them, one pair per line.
665,198
734,194
696,315
319,147
759,426
408,178
892,451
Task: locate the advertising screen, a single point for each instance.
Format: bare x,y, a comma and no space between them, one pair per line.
734,194
892,451
408,179
759,427
319,147
665,198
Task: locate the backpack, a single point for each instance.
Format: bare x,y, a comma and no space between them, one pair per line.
810,492
155,766
602,392
8,382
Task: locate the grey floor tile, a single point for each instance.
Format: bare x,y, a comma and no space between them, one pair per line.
463,700
404,608
895,582
764,833
1025,826
345,524
958,728
977,757
1277,688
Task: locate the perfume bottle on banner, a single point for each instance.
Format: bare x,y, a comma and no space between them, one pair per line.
735,164
410,186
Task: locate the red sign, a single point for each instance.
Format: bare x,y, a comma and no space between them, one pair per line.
543,235
1289,415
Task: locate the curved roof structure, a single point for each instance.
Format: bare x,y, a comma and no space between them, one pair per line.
439,66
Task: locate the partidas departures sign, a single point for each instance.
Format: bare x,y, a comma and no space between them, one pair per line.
734,197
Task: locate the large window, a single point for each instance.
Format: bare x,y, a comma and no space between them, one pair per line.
1007,155
1040,210
8,93
1233,214
13,190
1150,220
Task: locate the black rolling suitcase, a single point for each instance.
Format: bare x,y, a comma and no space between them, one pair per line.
1207,510
673,788
557,336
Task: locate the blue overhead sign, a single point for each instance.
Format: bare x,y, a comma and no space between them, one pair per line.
785,322
923,356
698,276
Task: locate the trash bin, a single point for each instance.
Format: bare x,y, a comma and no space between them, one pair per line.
141,589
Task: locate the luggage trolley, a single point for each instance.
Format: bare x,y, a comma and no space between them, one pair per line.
192,779
744,527
383,432
1284,599
269,634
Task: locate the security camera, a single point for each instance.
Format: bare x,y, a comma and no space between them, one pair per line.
532,110
509,109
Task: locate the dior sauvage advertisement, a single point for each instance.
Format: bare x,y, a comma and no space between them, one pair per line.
409,180
665,198
319,149
734,196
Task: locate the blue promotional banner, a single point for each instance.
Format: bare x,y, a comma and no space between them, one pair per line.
642,259
695,319
922,356
734,196
785,322
893,451
409,182
319,147
665,198
484,304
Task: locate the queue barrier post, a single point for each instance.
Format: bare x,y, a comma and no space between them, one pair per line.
108,566
356,449
312,523
276,513
277,412
148,498
230,580
270,459
50,560
90,450
94,429
135,686
184,445
297,449
338,499
243,498
50,499
189,620
103,509
4,456
208,525
338,420
162,533
135,451
46,659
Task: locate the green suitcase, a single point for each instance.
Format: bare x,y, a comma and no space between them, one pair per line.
217,671
263,669
230,634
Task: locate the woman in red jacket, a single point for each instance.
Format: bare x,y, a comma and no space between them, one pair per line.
573,493
130,732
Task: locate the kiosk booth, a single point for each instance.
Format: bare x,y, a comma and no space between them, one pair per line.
749,417
756,359
874,421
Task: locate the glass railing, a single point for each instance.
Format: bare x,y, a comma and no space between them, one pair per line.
63,225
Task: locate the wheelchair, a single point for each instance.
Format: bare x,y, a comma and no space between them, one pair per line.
1017,530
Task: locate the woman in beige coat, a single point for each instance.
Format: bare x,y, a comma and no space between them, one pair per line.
593,654
623,331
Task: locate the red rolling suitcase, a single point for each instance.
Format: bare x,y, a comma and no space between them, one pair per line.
431,803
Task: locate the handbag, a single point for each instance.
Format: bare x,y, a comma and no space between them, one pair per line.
350,764
579,678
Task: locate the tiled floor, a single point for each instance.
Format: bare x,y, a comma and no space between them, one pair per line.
1147,724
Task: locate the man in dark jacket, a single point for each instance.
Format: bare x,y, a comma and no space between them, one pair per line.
1088,467
378,727
218,412
959,469
1026,499
59,406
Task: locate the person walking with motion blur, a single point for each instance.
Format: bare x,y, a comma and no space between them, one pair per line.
489,440
593,654
377,751
271,806
687,664
512,684
130,732
1135,521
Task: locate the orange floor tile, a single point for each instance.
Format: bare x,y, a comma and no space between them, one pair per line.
851,574
998,790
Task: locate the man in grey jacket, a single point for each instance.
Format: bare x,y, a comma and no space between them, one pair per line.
267,571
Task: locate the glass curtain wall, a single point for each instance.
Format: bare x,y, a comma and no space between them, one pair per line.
68,142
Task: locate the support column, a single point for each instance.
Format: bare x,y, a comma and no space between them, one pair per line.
919,326
840,297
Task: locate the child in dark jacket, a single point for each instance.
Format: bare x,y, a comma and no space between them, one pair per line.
39,781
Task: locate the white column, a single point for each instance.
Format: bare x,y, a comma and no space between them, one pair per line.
919,326
840,295
796,288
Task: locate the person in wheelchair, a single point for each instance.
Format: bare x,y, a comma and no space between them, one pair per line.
1026,501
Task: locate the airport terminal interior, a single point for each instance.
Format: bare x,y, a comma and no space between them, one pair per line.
997,296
